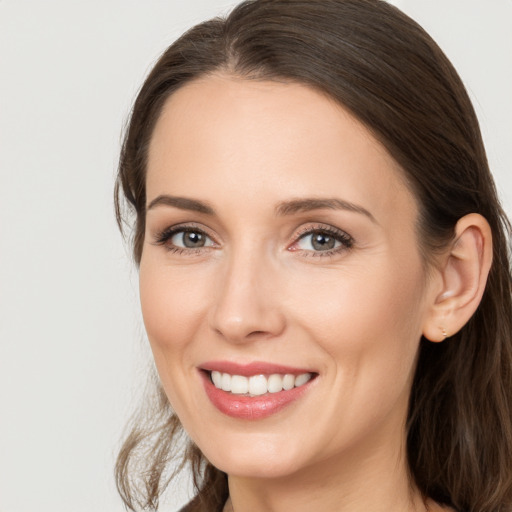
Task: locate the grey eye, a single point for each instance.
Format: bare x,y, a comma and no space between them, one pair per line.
318,241
191,239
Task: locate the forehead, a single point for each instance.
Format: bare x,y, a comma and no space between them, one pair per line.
250,138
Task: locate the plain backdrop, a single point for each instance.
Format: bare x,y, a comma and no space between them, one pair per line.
72,349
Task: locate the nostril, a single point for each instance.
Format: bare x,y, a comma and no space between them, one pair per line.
257,334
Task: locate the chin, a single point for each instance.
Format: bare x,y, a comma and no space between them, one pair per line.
255,459
255,468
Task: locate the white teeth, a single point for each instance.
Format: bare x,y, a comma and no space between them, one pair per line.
217,379
288,382
239,384
275,383
226,382
300,380
258,384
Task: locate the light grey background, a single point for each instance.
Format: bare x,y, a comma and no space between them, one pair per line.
72,349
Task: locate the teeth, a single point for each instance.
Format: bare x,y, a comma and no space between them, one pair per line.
258,384
225,383
217,379
288,382
275,383
239,384
300,380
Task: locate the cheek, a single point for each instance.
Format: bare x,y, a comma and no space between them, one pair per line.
171,305
359,299
368,319
369,325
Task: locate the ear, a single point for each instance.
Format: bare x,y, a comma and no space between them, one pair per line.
461,278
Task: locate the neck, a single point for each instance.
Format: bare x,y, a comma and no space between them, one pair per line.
374,477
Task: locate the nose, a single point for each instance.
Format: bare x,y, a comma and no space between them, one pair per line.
246,303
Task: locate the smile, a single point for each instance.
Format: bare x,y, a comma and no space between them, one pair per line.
257,385
254,391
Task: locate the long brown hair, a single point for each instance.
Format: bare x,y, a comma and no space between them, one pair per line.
384,68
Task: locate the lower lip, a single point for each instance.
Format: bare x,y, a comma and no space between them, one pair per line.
251,408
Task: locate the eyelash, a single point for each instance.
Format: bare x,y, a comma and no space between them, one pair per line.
346,241
165,236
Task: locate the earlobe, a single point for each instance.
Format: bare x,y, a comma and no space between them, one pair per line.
463,276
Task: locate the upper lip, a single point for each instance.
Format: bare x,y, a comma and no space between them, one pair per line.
253,368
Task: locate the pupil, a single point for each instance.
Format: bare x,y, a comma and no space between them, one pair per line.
323,242
192,239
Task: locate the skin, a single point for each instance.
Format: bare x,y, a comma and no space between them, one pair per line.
259,291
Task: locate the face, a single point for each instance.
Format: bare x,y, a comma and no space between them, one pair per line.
281,262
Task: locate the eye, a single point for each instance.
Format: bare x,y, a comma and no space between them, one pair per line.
318,241
190,239
182,238
322,241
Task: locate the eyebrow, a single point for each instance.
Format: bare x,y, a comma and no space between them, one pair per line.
285,208
307,204
183,203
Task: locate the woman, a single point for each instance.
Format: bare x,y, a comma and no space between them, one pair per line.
323,269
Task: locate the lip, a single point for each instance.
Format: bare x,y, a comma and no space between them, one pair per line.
246,407
254,368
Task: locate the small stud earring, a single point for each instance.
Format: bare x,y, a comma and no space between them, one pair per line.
444,333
